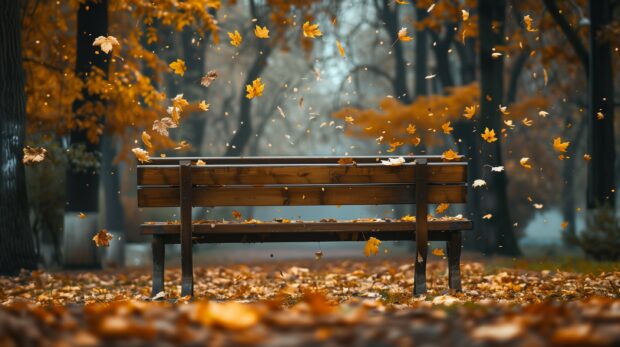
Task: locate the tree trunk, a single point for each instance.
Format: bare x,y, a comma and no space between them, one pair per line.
496,234
83,185
399,81
242,137
16,242
421,54
601,145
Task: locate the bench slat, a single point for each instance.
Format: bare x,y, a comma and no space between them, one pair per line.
163,228
300,195
290,159
300,174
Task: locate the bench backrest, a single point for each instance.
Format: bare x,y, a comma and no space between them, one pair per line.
282,181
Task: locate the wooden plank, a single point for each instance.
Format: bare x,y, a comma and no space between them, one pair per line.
455,243
263,174
300,195
163,228
421,232
185,194
242,237
159,255
290,159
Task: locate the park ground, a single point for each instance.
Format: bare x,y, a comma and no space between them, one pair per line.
362,302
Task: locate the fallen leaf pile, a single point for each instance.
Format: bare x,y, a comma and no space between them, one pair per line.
313,303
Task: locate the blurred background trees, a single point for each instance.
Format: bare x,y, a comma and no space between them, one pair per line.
523,69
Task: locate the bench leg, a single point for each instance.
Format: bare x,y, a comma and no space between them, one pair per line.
419,278
454,261
159,252
187,268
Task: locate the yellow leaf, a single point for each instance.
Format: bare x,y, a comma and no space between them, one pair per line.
106,43
401,2
465,15
261,33
439,252
487,216
161,126
504,110
525,162
527,122
408,218
411,129
447,129
402,35
346,161
255,89
227,315
470,111
441,208
200,162
82,215
587,157
349,119
372,246
311,30
178,67
450,155
564,225
102,238
33,155
600,116
203,106
235,38
528,23
146,139
340,49
560,146
142,155
394,145
489,135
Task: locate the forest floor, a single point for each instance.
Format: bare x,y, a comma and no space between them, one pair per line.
322,302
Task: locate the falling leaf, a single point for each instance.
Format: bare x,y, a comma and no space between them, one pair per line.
560,146
489,135
543,113
528,23
402,35
438,252
281,112
447,129
525,162
527,122
487,216
564,225
449,155
465,15
106,43
178,66
318,255
430,77
470,111
261,33
372,246
479,183
203,106
349,119
182,145
146,139
162,126
311,30
200,162
504,110
587,157
81,215
142,155
497,168
255,89
33,155
340,49
410,129
509,123
207,79
393,161
237,215
235,38
538,206
394,145
545,76
496,55
441,208
102,238
401,2
430,8
600,116
346,161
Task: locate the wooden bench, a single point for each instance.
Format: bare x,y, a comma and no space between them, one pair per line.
292,181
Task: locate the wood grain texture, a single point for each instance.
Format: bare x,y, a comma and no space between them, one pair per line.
263,174
290,159
163,228
300,195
